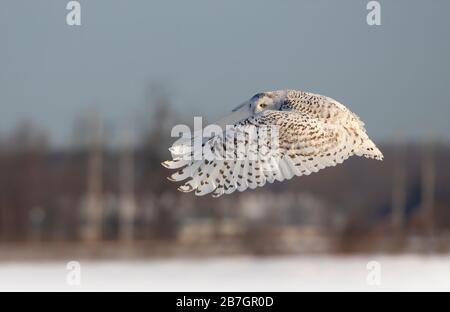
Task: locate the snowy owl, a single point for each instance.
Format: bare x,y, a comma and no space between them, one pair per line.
304,132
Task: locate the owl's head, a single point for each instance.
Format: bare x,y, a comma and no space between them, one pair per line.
266,101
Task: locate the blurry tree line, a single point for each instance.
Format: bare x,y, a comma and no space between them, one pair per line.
92,191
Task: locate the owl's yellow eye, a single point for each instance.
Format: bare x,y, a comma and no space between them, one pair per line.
262,105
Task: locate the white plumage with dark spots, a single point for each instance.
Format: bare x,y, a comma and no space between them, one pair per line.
312,131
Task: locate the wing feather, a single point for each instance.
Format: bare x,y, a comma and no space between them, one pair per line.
305,144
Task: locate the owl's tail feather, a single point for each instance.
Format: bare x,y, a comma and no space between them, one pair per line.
368,149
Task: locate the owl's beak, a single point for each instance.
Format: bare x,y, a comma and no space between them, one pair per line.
240,113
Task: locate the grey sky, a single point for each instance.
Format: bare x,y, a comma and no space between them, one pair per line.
214,54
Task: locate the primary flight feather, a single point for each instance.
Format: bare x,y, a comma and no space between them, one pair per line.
311,132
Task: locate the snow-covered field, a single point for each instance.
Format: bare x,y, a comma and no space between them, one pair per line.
306,273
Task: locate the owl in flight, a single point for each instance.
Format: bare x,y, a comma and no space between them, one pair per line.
271,137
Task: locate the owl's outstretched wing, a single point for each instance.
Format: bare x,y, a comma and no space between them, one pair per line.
304,145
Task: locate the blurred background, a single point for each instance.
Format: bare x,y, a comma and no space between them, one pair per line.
86,115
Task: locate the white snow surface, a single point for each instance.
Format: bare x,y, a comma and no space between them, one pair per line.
299,273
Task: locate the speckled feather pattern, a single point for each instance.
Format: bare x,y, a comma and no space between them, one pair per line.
314,132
